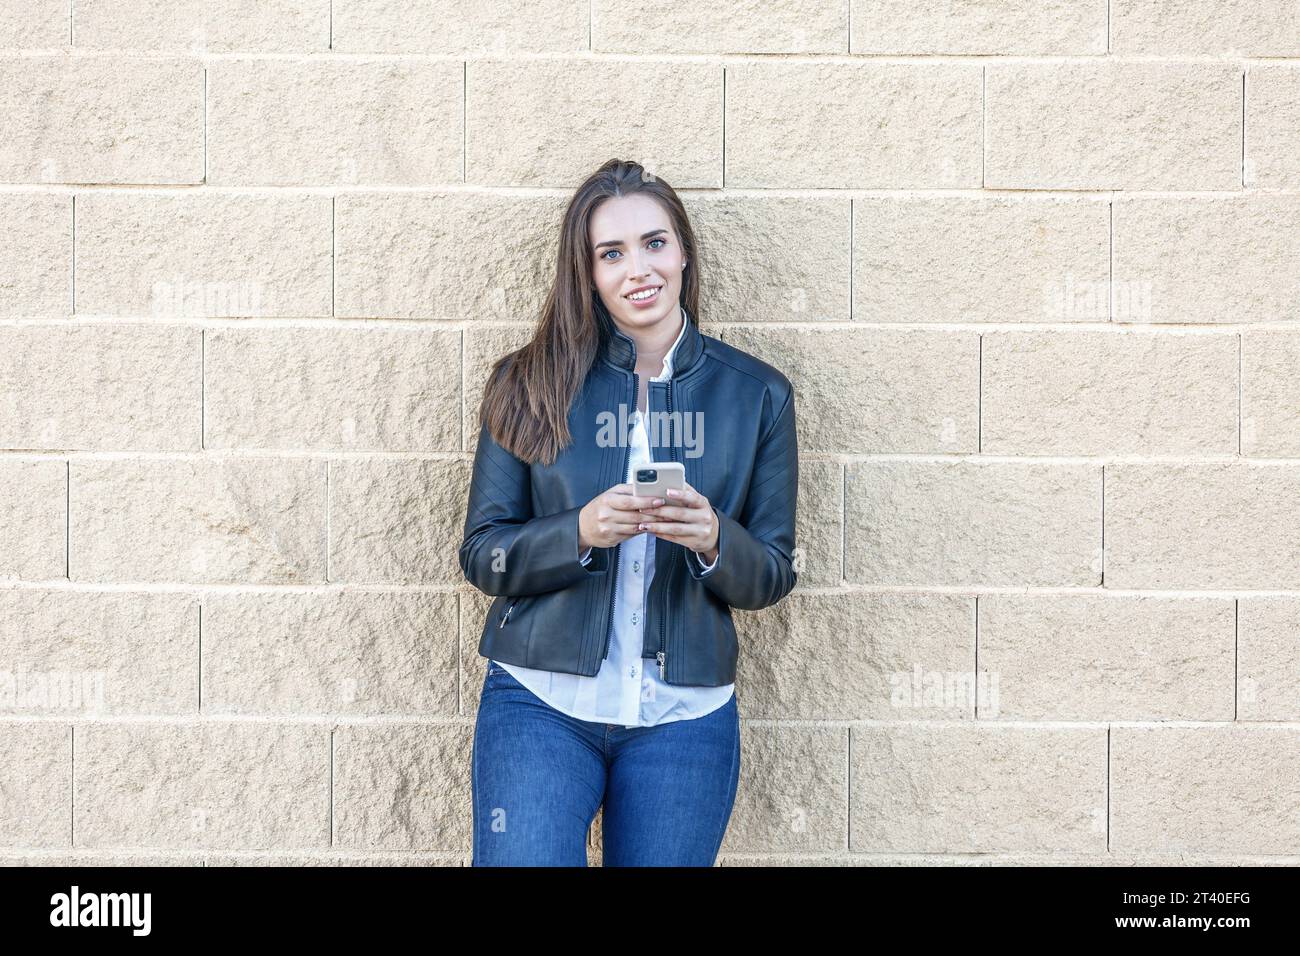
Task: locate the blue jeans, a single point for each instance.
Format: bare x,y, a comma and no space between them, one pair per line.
539,776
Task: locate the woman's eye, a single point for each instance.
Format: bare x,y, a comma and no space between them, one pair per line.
660,239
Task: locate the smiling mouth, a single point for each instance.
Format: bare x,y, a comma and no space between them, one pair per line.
644,295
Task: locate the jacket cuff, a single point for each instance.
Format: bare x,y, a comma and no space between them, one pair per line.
562,526
705,568
594,560
747,577
540,555
699,570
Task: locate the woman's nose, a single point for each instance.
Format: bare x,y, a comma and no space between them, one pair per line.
636,266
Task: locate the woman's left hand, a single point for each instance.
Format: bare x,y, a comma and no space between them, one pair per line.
685,518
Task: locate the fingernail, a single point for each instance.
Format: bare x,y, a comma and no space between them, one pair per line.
673,492
658,502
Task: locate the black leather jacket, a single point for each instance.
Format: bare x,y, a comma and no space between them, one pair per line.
521,525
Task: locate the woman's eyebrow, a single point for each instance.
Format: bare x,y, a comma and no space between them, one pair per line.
619,242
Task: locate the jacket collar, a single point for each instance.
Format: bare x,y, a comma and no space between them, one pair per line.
618,349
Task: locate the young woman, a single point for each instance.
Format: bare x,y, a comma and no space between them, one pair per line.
611,648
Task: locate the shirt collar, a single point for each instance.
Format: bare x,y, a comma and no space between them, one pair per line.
667,373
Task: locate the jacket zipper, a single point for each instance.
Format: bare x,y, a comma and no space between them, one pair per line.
505,617
659,656
618,549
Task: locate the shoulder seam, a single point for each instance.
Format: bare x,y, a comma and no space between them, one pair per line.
719,359
767,388
776,419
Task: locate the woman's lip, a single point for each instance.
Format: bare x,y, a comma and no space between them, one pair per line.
645,302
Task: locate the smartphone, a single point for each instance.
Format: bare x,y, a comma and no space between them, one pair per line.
654,480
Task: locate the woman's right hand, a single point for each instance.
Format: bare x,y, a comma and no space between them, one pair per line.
612,517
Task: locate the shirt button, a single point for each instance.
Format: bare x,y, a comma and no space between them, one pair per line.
631,672
636,565
634,617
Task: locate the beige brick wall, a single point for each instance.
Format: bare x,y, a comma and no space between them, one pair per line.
1032,265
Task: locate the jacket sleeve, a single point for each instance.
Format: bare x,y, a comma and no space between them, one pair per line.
754,568
506,550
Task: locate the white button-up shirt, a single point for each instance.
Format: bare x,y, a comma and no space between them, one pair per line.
627,689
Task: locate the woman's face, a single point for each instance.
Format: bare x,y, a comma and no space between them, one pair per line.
634,247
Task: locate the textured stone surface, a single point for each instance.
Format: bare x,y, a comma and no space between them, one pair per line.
35,767
211,521
968,522
1211,525
343,858
474,607
203,254
1205,27
397,521
906,391
33,24
1096,393
546,122
1270,393
141,379
393,390
103,859
91,120
819,524
728,26
1032,27
334,652
1225,789
855,656
441,256
754,279
955,788
980,260
218,784
402,786
35,254
853,125
1268,658
1272,132
33,519
1101,657
98,653
298,122
793,789
1113,125
198,26
436,26
1210,259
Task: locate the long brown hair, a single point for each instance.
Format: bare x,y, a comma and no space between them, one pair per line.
529,391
